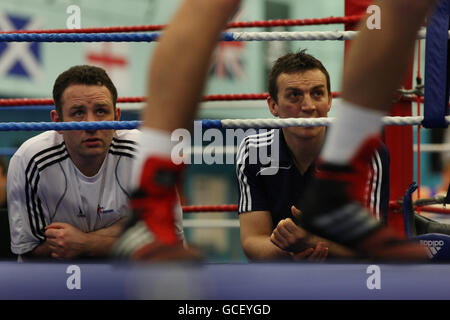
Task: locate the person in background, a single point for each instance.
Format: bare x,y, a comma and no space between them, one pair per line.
5,238
68,190
299,87
376,64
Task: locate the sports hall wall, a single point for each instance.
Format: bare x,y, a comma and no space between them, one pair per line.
28,70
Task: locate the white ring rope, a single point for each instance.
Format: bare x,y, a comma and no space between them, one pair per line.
315,122
433,147
211,223
304,35
294,35
430,147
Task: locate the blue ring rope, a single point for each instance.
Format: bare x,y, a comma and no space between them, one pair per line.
29,108
87,125
79,37
91,37
127,125
82,125
210,124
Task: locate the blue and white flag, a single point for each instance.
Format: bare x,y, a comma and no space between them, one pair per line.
20,59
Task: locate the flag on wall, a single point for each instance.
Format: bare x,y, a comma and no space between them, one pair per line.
114,58
20,59
229,59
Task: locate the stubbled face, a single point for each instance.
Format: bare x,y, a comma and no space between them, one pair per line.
302,95
87,103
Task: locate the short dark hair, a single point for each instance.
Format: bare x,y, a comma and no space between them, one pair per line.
292,63
84,74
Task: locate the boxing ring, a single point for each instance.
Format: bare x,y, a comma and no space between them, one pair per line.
259,281
335,280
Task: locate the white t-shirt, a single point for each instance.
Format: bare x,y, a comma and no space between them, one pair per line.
44,186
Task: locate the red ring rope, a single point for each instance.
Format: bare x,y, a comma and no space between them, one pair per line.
232,25
215,97
291,23
217,208
234,208
434,209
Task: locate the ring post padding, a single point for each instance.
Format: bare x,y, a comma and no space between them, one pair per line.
436,61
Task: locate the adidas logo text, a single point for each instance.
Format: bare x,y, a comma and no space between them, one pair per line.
433,246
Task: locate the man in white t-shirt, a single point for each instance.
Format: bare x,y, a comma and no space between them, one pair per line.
68,190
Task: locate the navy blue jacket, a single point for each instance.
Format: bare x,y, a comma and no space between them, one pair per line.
266,183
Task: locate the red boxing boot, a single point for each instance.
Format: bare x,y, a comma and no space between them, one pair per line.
150,232
332,208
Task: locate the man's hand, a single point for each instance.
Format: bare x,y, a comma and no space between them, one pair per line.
290,237
317,254
64,240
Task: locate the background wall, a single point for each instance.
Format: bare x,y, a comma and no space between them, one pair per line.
28,70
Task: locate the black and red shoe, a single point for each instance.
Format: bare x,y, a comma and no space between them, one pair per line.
332,208
150,233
